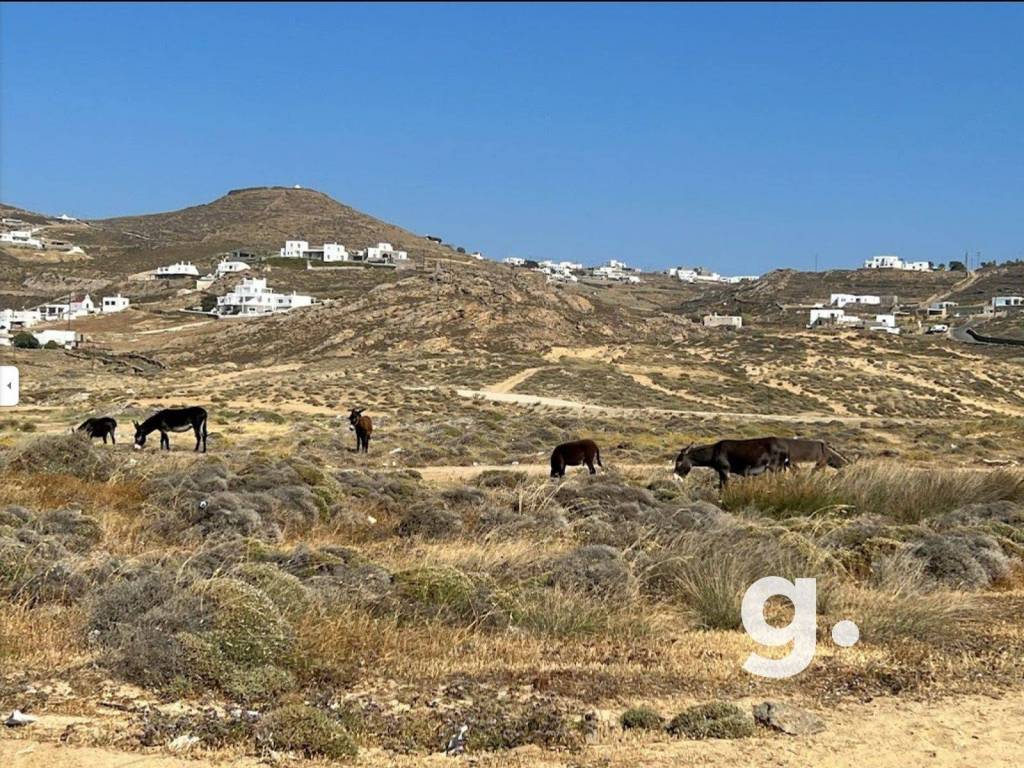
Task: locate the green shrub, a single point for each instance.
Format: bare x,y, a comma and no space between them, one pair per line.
717,720
641,718
24,340
307,730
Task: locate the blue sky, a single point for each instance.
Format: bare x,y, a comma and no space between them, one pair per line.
740,137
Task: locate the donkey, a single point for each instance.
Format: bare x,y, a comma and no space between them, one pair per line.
573,454
820,452
738,457
99,427
363,426
173,420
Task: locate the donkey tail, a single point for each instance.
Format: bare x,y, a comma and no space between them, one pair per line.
597,455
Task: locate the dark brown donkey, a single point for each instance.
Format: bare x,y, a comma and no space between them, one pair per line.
363,426
820,452
99,427
573,454
737,457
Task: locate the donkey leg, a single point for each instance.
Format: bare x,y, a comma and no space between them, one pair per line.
590,466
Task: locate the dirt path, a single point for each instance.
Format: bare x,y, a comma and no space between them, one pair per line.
512,381
557,402
964,732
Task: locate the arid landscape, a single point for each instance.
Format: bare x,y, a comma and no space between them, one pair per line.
282,599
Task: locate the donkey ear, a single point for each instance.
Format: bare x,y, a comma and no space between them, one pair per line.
136,424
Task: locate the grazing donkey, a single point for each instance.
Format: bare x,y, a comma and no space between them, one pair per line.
99,427
738,457
363,426
573,454
820,452
173,420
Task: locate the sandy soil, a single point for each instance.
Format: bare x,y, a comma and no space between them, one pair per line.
885,733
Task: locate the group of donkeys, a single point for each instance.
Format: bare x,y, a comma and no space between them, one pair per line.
727,457
194,418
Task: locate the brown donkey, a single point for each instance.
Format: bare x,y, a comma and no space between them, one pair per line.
363,426
573,454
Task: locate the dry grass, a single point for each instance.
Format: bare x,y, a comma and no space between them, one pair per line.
41,637
906,494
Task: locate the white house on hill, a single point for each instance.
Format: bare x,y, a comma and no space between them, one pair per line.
117,303
178,269
895,262
515,261
842,299
1004,302
19,319
225,267
384,253
723,321
252,297
20,238
69,309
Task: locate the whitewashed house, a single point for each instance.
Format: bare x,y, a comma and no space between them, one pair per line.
177,270
842,299
19,319
885,321
335,252
723,321
225,267
20,238
895,262
252,297
1005,302
476,255
825,316
113,304
884,262
515,261
70,309
60,337
294,249
384,253
742,278
941,308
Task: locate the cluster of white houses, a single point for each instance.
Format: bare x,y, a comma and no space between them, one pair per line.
895,262
382,253
27,238
701,275
569,271
14,321
252,297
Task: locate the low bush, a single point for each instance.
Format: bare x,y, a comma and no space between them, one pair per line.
306,730
641,718
70,454
717,720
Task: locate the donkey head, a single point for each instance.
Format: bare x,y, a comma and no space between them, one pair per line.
354,416
684,463
140,436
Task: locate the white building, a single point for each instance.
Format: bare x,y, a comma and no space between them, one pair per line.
1003,302
335,252
702,275
294,249
62,338
614,270
384,253
825,315
742,278
842,299
515,261
723,321
225,267
885,321
112,304
476,255
68,310
895,262
252,297
20,238
941,308
19,319
178,269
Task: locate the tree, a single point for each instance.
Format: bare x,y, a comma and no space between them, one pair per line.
25,340
957,266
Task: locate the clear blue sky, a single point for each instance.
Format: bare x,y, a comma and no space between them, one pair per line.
739,137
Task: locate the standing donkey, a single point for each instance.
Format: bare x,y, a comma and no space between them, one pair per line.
363,426
173,420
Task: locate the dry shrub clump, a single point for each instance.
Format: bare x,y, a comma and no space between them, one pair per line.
641,718
306,730
70,454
